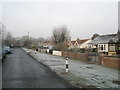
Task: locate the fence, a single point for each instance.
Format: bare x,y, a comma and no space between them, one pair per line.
93,57
42,50
113,62
58,53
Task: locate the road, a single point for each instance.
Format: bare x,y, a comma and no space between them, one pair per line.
20,70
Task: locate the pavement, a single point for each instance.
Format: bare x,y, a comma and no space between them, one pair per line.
81,74
20,70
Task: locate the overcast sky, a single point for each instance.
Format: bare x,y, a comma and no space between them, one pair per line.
83,19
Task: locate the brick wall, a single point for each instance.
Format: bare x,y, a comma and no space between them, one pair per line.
72,54
109,61
82,56
64,53
76,55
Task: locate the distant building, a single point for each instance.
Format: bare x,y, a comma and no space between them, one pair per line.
107,44
48,45
71,44
85,44
77,44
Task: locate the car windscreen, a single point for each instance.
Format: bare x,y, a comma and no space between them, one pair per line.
6,48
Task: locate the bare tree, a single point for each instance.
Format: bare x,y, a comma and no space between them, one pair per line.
8,39
28,41
60,37
41,40
33,41
25,41
2,32
17,41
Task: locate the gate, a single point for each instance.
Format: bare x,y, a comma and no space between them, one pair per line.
93,57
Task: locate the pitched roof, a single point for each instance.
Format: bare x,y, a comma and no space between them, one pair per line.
73,42
116,39
78,41
82,41
103,39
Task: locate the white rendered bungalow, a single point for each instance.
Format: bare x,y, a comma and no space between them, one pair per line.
102,43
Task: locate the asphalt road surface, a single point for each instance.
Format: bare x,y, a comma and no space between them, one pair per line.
20,70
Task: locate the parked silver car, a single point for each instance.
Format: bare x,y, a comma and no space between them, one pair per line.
7,49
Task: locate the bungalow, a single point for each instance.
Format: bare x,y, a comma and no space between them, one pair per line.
107,44
85,44
114,44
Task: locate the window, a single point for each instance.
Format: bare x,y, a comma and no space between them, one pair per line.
118,47
111,47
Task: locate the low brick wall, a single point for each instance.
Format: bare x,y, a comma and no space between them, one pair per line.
82,56
109,61
64,53
76,55
72,54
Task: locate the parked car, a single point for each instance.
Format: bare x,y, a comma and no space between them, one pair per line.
7,49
